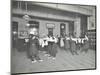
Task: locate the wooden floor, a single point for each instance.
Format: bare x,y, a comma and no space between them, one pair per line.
64,61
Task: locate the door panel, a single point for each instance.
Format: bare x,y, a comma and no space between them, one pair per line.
50,31
62,29
71,27
14,33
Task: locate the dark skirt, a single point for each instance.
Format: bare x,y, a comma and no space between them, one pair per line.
85,46
67,45
73,45
33,50
52,49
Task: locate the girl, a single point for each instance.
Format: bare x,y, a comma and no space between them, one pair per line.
52,46
67,46
73,44
33,48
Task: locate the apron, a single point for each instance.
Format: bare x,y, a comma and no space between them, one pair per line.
61,43
33,47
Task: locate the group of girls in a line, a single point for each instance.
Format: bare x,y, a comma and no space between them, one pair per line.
49,44
36,44
73,43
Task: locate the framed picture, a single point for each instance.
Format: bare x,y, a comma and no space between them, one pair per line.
50,25
68,42
23,34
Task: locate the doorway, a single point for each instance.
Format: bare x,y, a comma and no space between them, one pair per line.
14,34
50,31
71,27
62,29
83,24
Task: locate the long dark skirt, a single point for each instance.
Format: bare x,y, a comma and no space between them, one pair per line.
46,49
73,47
85,46
33,52
67,46
58,43
52,49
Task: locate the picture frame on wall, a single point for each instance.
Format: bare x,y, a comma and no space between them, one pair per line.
50,25
57,37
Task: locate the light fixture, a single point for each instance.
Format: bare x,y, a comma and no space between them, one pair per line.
27,24
26,16
62,27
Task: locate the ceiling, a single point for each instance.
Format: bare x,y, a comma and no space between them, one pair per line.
80,9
